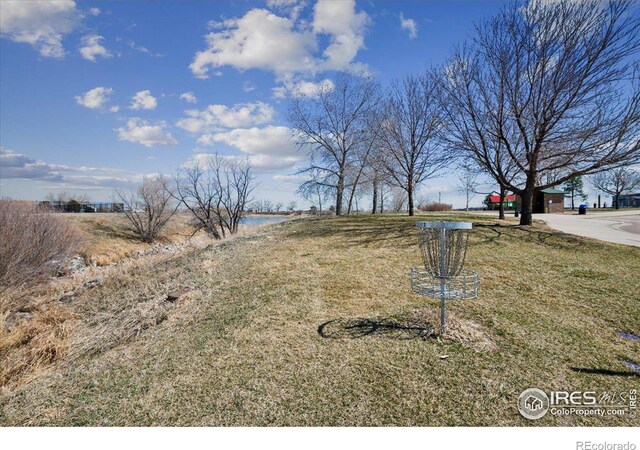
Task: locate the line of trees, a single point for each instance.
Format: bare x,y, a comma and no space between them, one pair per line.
617,182
541,94
215,192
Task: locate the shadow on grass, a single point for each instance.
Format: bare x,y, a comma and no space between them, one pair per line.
400,232
555,239
388,327
606,372
364,231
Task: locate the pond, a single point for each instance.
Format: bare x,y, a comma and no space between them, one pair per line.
260,220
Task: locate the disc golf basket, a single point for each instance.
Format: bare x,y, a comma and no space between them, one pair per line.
443,247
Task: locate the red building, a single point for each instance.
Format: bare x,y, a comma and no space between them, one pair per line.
493,201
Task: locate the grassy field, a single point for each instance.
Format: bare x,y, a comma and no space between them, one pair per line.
312,322
110,239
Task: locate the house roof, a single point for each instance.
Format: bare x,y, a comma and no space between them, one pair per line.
496,198
552,191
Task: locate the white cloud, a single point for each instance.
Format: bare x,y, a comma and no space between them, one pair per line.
248,86
215,117
188,97
269,148
409,25
114,109
303,88
43,24
290,179
281,3
142,132
94,98
292,7
346,28
143,100
91,46
269,140
286,46
259,39
259,163
94,11
142,49
20,166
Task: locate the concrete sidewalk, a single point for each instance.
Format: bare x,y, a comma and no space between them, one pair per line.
619,227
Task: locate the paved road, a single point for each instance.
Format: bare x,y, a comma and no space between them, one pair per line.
617,227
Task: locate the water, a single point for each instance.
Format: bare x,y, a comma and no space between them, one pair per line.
259,220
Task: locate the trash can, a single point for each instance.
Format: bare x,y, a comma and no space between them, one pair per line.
582,209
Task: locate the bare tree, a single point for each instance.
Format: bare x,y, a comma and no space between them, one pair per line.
398,199
292,205
279,206
549,89
334,127
407,130
216,193
197,190
235,184
617,182
148,207
467,186
314,191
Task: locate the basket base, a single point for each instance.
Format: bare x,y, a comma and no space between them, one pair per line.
459,287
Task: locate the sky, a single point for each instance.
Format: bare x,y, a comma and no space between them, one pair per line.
96,95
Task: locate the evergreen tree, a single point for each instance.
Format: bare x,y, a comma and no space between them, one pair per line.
574,188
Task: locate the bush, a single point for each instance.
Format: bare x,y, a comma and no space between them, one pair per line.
148,208
435,206
33,243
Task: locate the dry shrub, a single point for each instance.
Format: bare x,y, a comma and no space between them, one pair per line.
435,206
33,344
33,243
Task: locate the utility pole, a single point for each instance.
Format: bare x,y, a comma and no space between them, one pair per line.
439,197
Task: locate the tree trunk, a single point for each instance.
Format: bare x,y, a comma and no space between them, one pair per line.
375,197
501,204
339,193
410,199
526,216
573,206
381,200
351,195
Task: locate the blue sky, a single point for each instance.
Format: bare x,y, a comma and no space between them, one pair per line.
94,95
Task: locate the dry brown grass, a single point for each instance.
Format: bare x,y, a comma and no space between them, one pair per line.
34,327
33,243
247,346
34,344
112,240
